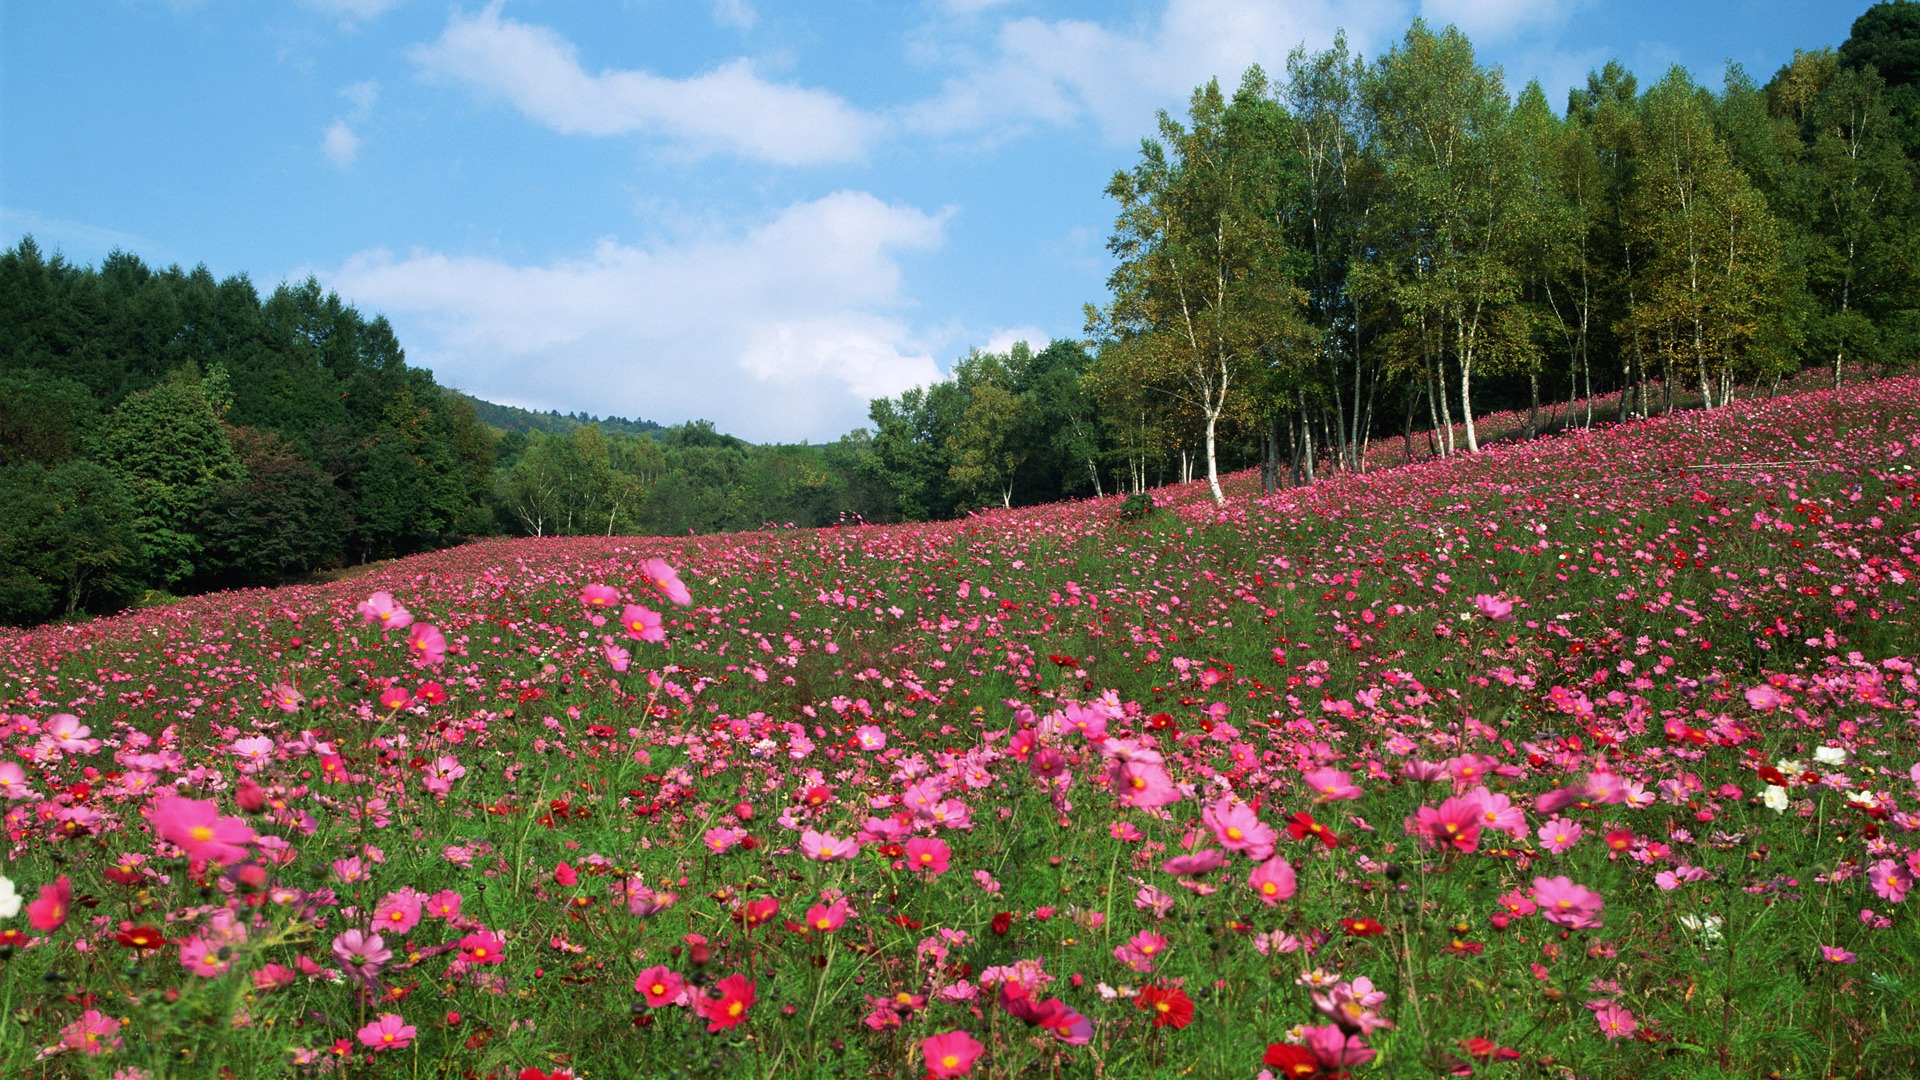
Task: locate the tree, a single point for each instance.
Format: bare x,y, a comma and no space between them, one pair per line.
1202,294
68,541
170,452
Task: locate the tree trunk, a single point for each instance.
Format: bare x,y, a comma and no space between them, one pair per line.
1213,468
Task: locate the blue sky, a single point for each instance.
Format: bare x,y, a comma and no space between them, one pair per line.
759,213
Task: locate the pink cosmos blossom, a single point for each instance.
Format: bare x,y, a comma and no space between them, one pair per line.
427,645
599,596
1558,834
1273,881
666,581
93,1034
1336,1049
618,658
444,904
49,912
380,608
870,737
730,1008
286,697
1238,828
1890,880
721,840
660,986
399,912
1204,861
202,957
822,847
1565,904
395,698
1765,698
826,918
1329,785
1614,1021
388,1032
950,1053
1498,813
361,952
1141,951
1144,784
13,782
928,855
1835,955
1494,608
1455,824
482,947
642,624
1353,1006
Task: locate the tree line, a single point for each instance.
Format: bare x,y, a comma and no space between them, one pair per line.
1355,250
1360,247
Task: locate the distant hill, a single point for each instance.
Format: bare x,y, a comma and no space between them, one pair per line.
509,418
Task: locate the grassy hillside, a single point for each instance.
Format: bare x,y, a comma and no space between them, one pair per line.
1587,756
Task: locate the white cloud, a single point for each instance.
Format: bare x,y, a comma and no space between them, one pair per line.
340,144
782,332
735,13
361,96
1060,71
730,108
1001,341
353,11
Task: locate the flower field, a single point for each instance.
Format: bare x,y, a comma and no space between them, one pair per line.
1592,756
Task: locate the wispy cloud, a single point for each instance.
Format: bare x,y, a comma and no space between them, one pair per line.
730,108
737,14
351,12
781,332
340,144
1064,71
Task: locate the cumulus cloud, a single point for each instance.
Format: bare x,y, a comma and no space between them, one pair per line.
730,108
340,144
1003,341
781,332
1060,71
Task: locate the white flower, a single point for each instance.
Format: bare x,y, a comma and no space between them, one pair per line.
1775,798
9,899
1707,927
1830,755
1865,799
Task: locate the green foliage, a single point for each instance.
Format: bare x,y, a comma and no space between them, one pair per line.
69,542
1137,506
170,453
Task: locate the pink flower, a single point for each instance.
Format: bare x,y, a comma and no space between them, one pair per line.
1329,785
642,624
950,1053
870,737
1494,608
389,1032
660,986
1455,824
1890,880
666,581
1565,904
822,847
1336,1049
1204,861
826,918
618,658
1144,784
93,1034
427,644
1615,1021
1273,881
1835,955
380,608
482,947
1559,834
49,912
363,952
285,697
195,825
444,904
1238,828
928,855
599,596
398,912
1765,698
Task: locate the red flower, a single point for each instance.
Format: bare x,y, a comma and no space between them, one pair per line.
1289,1060
1362,927
1003,922
1302,826
730,1008
1169,1005
1488,1050
141,937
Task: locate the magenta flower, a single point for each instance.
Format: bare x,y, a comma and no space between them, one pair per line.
1614,1020
1890,880
1329,785
1494,607
1336,1049
822,847
1273,881
1238,828
928,855
951,1053
380,608
49,912
197,827
1559,834
599,596
826,918
93,1034
1144,784
361,952
398,912
1565,904
1455,824
660,986
1836,955
427,644
642,624
1204,861
665,580
389,1032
